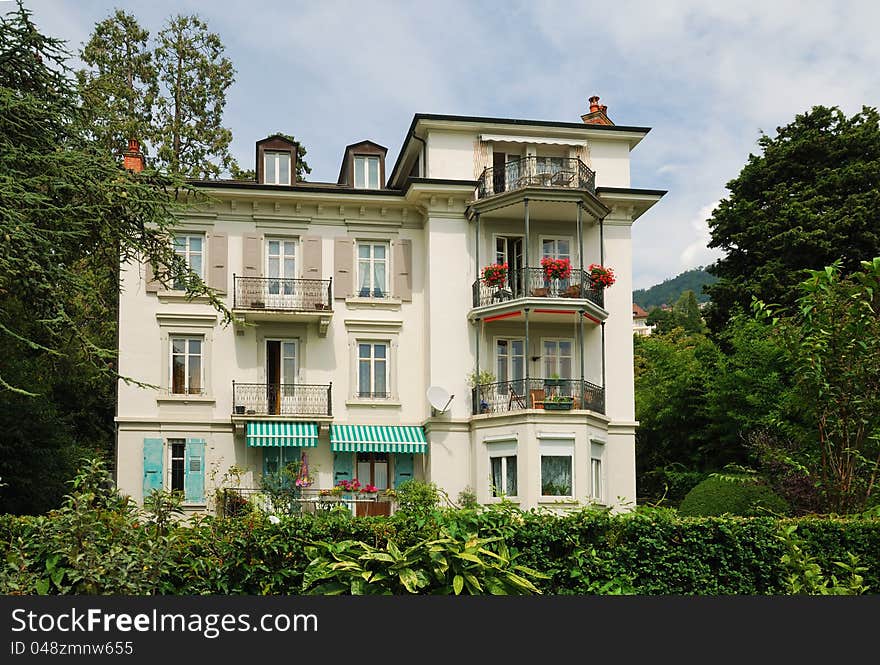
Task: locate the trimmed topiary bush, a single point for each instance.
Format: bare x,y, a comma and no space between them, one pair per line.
723,496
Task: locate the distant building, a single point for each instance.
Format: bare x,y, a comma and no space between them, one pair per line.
640,322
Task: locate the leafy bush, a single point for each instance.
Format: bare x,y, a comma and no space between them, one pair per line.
717,496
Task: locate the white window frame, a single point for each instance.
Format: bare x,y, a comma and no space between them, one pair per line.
367,161
597,458
186,355
557,357
188,253
562,447
372,261
556,240
359,393
276,155
503,450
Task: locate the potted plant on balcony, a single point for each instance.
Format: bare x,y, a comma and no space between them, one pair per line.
553,380
476,380
495,276
556,268
558,403
600,276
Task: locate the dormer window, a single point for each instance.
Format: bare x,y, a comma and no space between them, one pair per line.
366,172
276,167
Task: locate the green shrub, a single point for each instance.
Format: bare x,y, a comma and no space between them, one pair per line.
722,496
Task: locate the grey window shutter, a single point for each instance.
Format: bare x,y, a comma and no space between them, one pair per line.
403,269
252,260
343,258
152,284
217,255
311,257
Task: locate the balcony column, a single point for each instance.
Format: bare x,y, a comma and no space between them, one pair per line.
580,232
601,241
526,242
477,246
527,357
603,357
580,316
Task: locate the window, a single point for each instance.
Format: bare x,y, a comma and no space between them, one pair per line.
191,248
372,269
556,248
373,369
178,460
366,172
277,168
186,365
548,164
372,469
597,480
502,469
510,363
280,266
556,468
557,358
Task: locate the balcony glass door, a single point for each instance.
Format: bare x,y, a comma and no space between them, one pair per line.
510,365
509,250
281,369
281,270
556,248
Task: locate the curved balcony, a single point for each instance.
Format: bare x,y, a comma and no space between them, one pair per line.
533,171
546,394
532,283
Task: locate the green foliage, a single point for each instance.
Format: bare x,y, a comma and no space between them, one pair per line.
120,87
744,497
98,543
163,507
804,575
480,378
808,199
670,290
832,337
446,565
417,499
194,75
684,314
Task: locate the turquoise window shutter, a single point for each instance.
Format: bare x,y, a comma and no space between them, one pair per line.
194,474
403,469
271,461
152,465
342,467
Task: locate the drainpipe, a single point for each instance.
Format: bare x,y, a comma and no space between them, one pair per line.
477,248
580,233
423,168
603,357
601,241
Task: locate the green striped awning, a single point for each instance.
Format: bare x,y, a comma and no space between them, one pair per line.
378,438
274,433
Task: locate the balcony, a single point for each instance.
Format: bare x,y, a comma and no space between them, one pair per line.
533,171
293,400
547,394
532,283
277,299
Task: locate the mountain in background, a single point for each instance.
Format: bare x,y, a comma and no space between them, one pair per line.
670,290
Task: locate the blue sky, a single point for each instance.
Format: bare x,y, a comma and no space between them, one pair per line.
707,77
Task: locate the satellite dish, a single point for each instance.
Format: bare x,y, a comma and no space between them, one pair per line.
439,398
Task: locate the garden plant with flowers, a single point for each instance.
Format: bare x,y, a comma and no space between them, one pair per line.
601,276
495,274
556,268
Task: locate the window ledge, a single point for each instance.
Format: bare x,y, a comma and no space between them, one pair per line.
185,399
556,500
357,302
373,402
180,296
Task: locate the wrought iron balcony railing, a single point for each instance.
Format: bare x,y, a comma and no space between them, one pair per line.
534,171
274,293
282,399
533,283
547,394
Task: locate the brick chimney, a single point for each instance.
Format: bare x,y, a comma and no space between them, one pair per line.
133,158
598,114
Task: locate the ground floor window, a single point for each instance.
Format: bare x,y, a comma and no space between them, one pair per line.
502,468
557,458
597,478
178,463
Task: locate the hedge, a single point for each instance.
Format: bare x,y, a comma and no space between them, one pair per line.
114,551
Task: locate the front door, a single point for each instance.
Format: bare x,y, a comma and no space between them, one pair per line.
509,250
281,369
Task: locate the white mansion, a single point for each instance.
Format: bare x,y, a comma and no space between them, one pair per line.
352,299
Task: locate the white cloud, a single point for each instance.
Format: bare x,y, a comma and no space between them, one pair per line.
697,253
